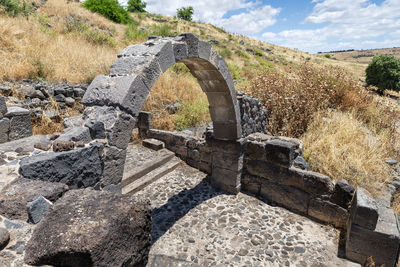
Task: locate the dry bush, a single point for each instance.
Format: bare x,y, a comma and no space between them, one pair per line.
339,145
173,87
292,99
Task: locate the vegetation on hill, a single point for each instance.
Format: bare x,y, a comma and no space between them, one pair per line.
384,72
348,131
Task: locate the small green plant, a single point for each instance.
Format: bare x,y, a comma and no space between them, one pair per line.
110,9
180,68
327,55
225,53
258,52
185,13
163,30
100,38
191,114
136,6
14,8
242,54
40,70
132,33
235,71
384,73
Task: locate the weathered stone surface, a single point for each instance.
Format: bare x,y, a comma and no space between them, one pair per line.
382,243
286,196
165,261
301,163
25,144
71,122
280,152
126,92
76,134
81,167
144,120
114,160
343,193
16,111
4,129
227,180
314,182
97,130
4,238
16,195
20,123
251,184
328,212
45,145
153,144
37,209
113,230
3,106
364,211
61,145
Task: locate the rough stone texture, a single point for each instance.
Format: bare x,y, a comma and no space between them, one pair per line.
71,122
4,237
92,228
77,168
16,195
153,144
301,163
37,209
62,145
364,211
382,243
76,134
4,129
114,160
343,193
25,144
3,106
45,145
253,115
20,123
328,212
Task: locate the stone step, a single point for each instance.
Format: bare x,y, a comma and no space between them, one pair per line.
133,173
151,176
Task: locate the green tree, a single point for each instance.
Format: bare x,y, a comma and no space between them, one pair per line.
136,6
110,9
185,13
384,72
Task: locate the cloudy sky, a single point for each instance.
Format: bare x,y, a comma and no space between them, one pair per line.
308,25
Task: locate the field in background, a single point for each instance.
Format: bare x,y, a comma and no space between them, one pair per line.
312,97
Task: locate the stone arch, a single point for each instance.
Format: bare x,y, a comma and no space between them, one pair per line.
114,101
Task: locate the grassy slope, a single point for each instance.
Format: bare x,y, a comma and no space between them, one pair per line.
62,41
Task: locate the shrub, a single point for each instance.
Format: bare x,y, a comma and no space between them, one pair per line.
191,114
235,71
109,9
384,72
328,56
132,33
185,13
163,30
136,6
14,8
225,53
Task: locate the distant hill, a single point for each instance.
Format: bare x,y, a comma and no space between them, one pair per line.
362,56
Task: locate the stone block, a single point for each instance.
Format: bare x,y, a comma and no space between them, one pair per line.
127,92
254,150
120,133
4,129
114,160
3,107
153,144
76,134
180,51
71,122
343,193
280,152
227,160
16,111
193,154
77,168
251,184
144,120
382,243
287,196
313,182
96,129
44,145
328,212
227,130
61,146
227,180
20,123
37,209
205,167
300,163
364,211
234,147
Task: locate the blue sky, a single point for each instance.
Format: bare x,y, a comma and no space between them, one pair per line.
308,25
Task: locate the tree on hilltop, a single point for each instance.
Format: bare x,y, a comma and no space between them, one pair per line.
185,13
136,6
384,72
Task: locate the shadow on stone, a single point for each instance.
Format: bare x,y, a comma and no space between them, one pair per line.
179,205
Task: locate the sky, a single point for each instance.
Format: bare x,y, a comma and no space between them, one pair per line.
308,25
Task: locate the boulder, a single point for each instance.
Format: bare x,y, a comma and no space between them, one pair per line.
81,167
37,209
92,228
76,134
71,122
15,196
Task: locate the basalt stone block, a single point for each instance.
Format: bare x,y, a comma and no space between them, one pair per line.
97,129
61,145
114,160
313,182
20,123
77,168
15,196
4,129
205,167
127,92
251,184
364,211
227,180
180,51
37,209
328,212
382,243
254,150
301,163
227,160
144,120
76,134
44,145
113,230
287,196
3,106
71,122
280,152
343,193
153,144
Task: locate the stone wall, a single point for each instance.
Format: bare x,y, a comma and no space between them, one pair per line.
15,122
253,115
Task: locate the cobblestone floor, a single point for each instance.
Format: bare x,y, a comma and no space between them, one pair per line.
196,223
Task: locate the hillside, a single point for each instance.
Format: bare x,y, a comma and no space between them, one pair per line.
347,129
363,56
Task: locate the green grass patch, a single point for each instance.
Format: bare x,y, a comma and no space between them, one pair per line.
225,53
192,114
110,9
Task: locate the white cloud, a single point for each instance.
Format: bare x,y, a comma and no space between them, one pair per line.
351,24
252,18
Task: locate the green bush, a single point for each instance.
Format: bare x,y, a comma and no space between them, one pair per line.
136,6
328,56
384,72
109,9
185,13
225,53
258,52
15,8
235,71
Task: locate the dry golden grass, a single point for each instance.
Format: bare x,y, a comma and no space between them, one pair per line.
396,203
340,146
